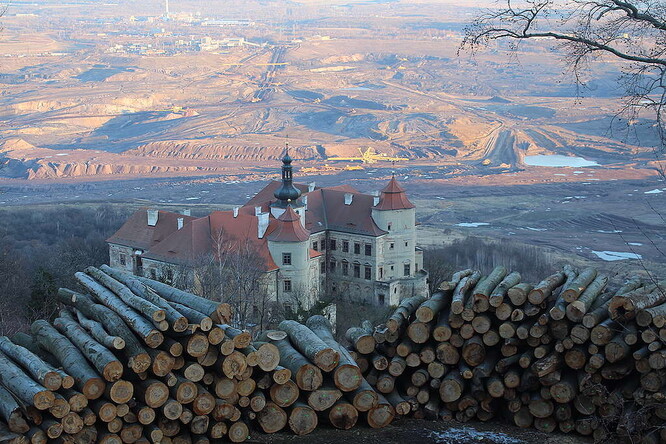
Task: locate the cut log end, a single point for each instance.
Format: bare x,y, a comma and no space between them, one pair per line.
93,388
113,371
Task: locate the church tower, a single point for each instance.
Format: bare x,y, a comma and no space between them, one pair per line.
287,194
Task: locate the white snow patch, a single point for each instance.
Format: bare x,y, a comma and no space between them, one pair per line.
472,224
557,160
62,154
536,229
466,435
192,198
635,244
611,256
609,232
655,191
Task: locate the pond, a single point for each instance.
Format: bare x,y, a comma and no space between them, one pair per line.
558,160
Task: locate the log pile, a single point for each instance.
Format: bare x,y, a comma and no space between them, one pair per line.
569,353
131,360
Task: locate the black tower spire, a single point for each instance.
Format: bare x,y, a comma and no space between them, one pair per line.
287,193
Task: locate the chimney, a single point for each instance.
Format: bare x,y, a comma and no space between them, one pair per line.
375,200
257,211
348,198
186,212
180,222
304,199
236,212
311,187
152,217
262,224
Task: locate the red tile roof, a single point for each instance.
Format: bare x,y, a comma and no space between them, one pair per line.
393,197
288,228
136,232
202,237
327,211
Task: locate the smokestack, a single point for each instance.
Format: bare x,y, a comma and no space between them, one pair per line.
375,200
153,215
236,212
304,199
348,198
311,187
180,222
257,211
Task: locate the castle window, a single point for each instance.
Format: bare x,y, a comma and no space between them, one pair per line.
357,248
345,268
408,269
286,287
390,225
315,246
345,246
123,259
380,299
381,272
169,275
333,245
286,258
406,244
322,244
368,272
391,246
332,265
357,270
368,249
153,274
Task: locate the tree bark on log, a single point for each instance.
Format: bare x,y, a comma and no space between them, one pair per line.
307,376
176,320
308,343
501,291
10,411
101,358
460,294
146,331
347,375
429,309
574,289
72,360
139,360
482,291
544,289
42,372
578,308
405,309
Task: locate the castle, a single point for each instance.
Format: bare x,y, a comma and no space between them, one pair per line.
310,241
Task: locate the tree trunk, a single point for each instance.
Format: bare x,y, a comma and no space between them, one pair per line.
518,293
428,310
307,376
139,360
284,395
10,411
176,320
460,294
152,337
272,418
302,419
347,375
483,290
577,309
42,372
72,360
545,288
103,360
343,415
574,289
500,292
381,415
311,345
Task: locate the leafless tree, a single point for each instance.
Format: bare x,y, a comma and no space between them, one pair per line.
633,31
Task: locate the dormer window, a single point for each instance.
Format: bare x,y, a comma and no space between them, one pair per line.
286,258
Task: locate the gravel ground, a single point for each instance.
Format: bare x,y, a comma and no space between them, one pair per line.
424,432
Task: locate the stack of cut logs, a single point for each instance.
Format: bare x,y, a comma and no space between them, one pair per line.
568,353
131,360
